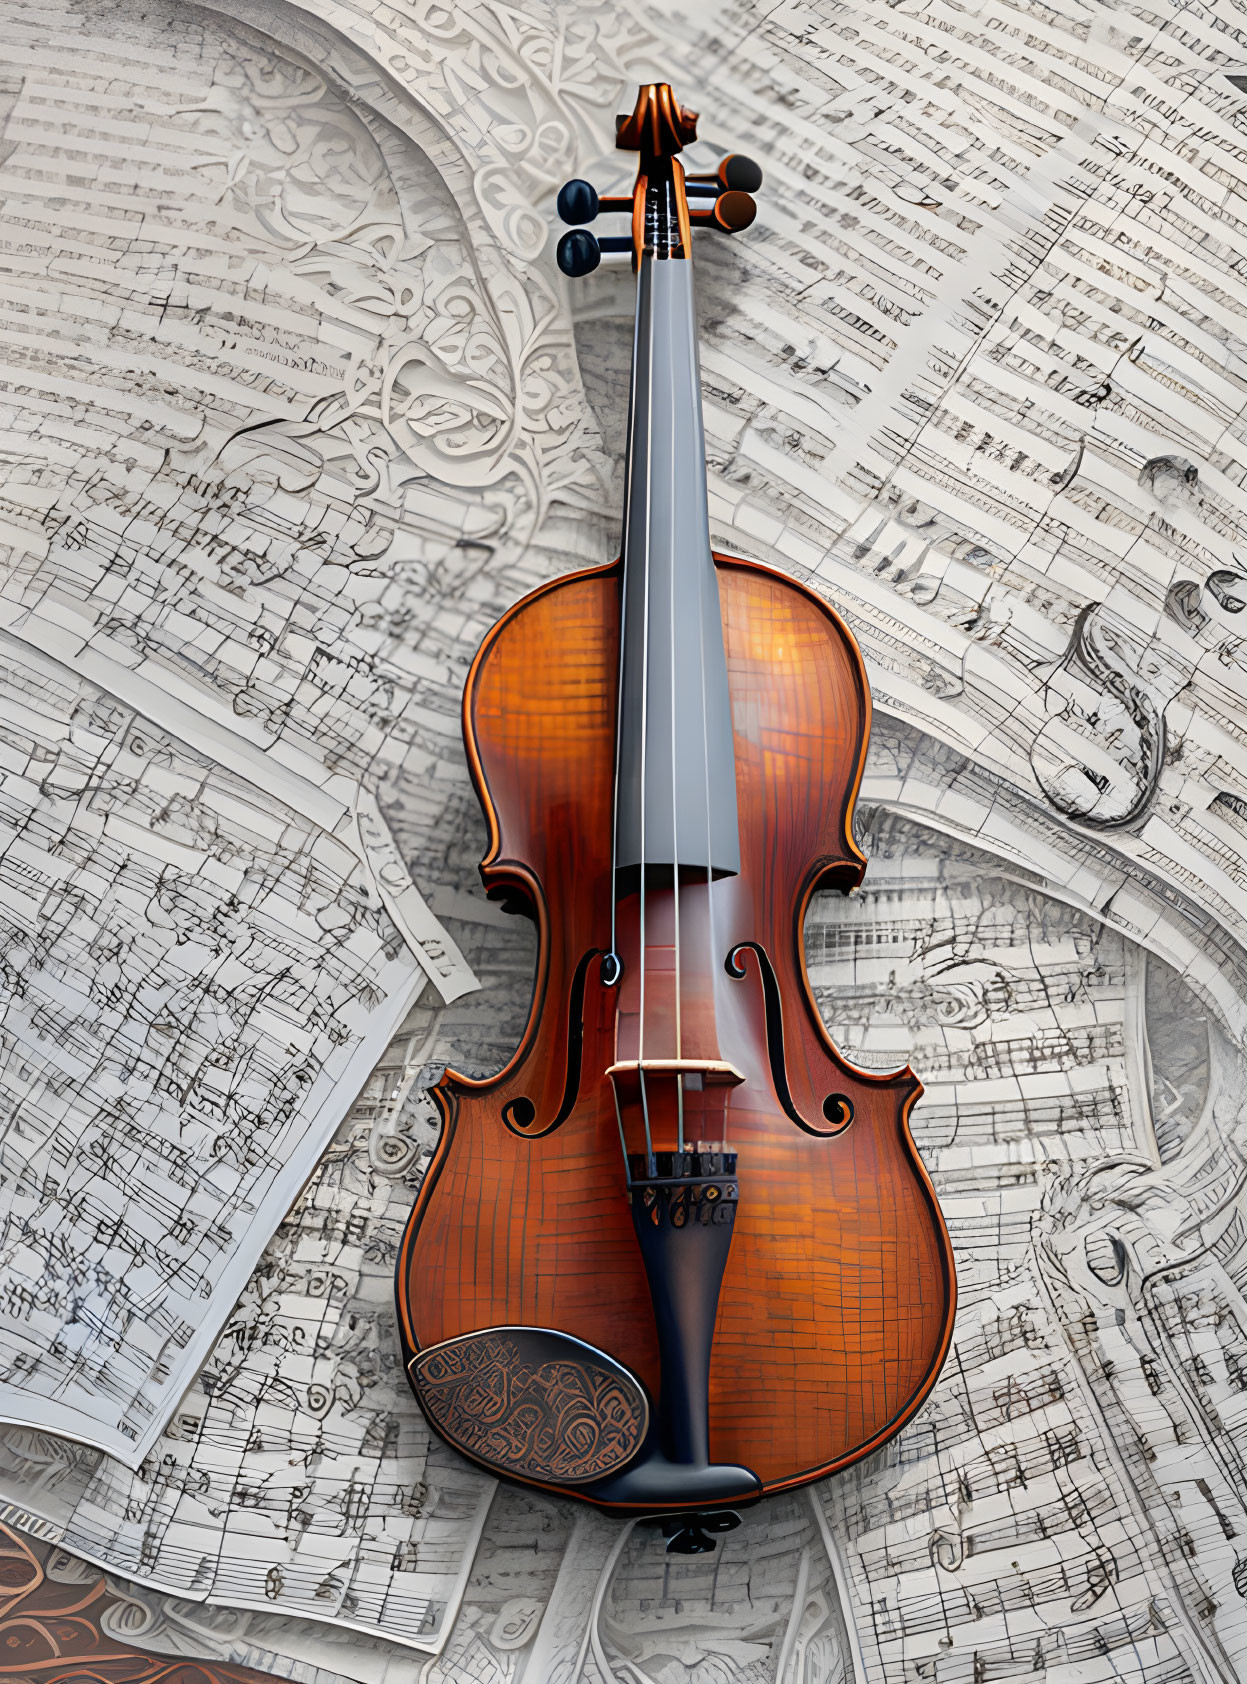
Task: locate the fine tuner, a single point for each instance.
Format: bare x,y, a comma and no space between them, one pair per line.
724,201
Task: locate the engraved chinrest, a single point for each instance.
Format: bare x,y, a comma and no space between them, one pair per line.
535,1404
532,1403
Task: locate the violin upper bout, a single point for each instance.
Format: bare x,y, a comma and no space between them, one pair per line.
801,720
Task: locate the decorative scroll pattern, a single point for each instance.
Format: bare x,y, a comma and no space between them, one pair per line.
494,1396
53,1611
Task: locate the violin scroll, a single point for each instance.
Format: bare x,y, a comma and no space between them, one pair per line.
658,128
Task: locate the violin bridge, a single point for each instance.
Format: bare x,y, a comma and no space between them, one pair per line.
675,1100
697,1072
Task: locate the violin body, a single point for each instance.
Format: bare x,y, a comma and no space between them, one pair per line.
835,1308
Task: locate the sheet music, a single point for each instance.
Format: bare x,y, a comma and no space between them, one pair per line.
976,374
211,934
1030,1449
294,1477
214,547
1071,1495
194,983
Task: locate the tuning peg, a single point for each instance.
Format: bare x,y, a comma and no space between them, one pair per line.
739,173
735,173
577,202
578,252
732,211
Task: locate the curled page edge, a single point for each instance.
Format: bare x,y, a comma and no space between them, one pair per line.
370,838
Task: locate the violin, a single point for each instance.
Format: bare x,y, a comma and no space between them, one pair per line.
679,1253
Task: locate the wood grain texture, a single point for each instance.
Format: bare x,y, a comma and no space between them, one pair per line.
54,1627
837,1304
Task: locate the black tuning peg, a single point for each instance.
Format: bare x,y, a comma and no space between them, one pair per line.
740,174
735,174
577,202
578,252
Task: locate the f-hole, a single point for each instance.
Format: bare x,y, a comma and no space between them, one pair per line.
837,1107
519,1114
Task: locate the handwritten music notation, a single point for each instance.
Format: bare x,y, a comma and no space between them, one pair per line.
290,417
293,1479
193,979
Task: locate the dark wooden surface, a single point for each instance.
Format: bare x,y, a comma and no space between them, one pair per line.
52,1627
837,1304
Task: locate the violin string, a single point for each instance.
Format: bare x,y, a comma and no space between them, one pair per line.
675,811
649,469
623,645
712,971
705,749
619,703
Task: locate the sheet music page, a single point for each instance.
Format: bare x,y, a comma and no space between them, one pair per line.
210,935
195,981
294,1477
295,407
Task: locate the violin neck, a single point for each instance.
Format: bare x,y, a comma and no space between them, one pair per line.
676,787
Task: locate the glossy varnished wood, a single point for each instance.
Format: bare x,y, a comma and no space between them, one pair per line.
836,1308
